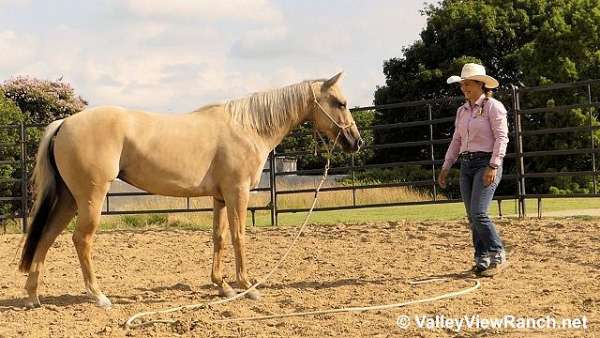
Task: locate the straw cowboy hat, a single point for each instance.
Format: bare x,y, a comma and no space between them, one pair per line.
473,71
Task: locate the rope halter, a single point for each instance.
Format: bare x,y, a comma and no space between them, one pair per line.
342,127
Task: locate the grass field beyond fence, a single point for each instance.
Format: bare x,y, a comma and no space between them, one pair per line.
437,212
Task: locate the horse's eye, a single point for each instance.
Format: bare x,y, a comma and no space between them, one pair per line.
341,105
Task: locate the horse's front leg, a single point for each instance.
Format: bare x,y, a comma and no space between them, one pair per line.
219,228
237,205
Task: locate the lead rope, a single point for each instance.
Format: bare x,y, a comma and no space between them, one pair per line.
366,308
130,322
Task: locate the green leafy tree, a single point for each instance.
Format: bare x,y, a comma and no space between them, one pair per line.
303,140
531,42
10,116
524,42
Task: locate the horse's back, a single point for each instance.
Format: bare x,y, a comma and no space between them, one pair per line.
183,150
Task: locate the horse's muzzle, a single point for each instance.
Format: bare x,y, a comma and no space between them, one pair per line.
359,143
351,144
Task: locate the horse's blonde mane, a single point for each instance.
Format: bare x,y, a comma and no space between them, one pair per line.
267,112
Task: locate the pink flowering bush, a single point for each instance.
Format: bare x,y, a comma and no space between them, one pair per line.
43,101
29,100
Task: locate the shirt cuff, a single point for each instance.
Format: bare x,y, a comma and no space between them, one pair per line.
496,161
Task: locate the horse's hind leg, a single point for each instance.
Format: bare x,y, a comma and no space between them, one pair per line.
63,212
219,228
90,209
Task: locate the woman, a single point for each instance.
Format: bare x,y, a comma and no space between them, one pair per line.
479,141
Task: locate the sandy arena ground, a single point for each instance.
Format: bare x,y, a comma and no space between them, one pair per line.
554,271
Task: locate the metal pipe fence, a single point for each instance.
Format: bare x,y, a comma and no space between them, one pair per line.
429,145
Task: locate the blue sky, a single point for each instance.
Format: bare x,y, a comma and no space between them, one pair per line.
177,55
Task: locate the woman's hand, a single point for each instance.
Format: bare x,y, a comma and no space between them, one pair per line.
489,176
442,178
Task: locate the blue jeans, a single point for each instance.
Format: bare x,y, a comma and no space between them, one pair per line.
477,198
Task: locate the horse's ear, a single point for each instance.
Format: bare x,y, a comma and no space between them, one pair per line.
334,79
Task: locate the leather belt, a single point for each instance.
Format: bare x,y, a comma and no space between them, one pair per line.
473,155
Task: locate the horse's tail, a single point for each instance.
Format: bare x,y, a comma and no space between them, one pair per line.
45,180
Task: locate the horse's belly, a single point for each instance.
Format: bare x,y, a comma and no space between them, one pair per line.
170,178
168,186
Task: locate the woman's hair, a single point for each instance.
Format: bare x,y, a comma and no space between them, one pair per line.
487,91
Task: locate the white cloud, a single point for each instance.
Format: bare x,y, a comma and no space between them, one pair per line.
293,42
254,10
16,50
5,3
145,30
178,55
264,43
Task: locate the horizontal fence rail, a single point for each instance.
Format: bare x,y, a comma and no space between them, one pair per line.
435,137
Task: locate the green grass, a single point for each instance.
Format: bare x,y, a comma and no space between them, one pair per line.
558,204
439,212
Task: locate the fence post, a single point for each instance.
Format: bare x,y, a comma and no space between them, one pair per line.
519,146
519,151
590,125
500,208
24,179
353,183
273,186
432,151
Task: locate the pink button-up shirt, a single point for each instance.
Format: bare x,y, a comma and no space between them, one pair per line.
479,130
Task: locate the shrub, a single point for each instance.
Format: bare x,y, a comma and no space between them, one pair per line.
43,101
28,100
140,221
133,221
10,114
156,219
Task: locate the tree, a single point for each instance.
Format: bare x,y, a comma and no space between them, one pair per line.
528,42
10,116
521,42
303,140
43,101
30,101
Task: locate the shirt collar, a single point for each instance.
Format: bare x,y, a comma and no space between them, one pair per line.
480,100
478,103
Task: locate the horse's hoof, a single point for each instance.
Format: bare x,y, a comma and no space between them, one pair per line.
103,302
32,301
253,294
227,292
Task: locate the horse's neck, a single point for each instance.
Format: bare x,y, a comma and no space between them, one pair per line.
272,139
276,138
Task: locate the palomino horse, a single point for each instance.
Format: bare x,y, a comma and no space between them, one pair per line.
218,150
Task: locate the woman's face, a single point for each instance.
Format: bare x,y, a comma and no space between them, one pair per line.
471,89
